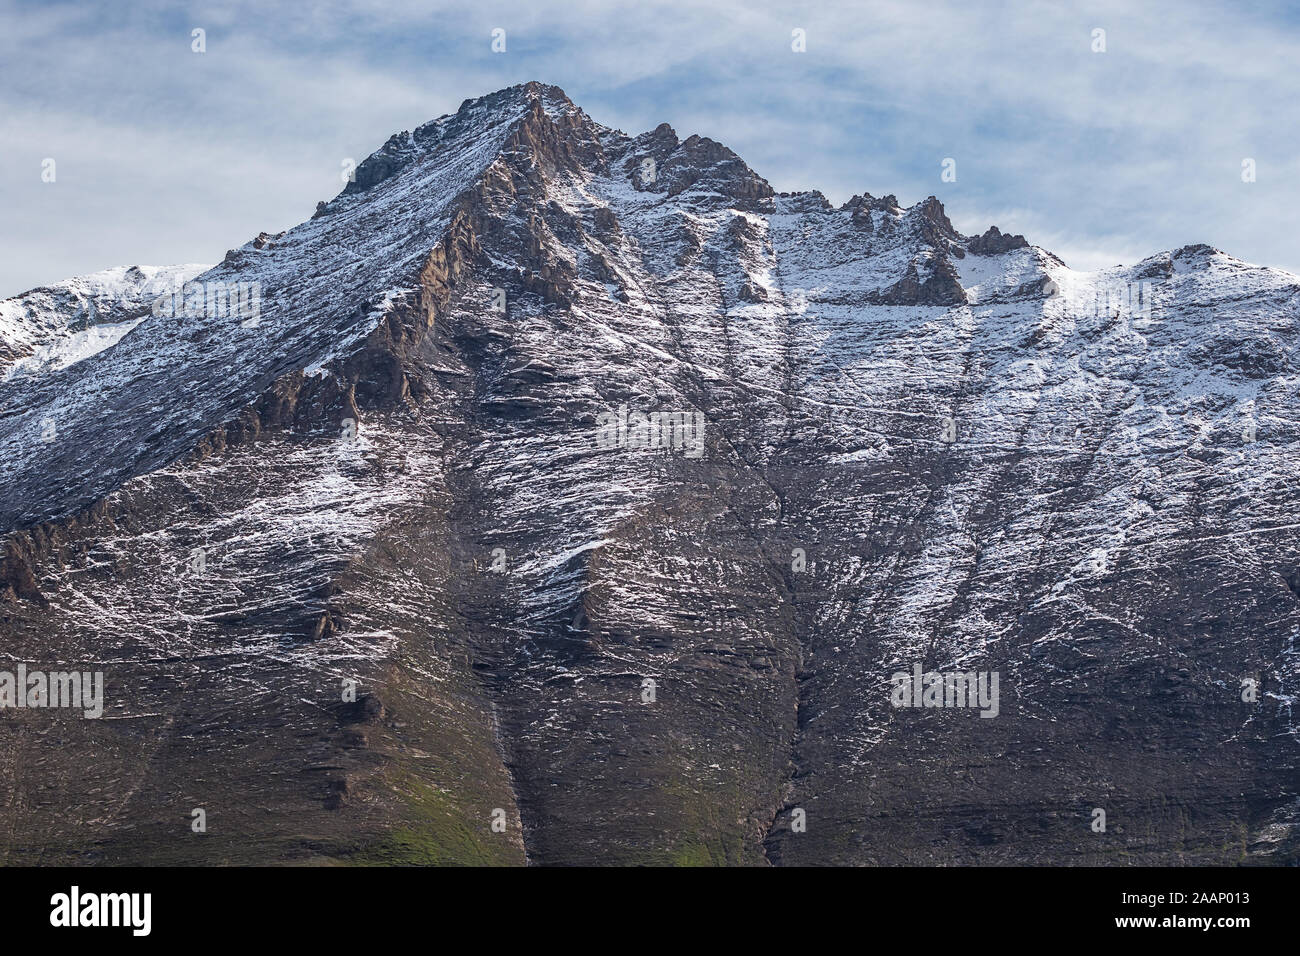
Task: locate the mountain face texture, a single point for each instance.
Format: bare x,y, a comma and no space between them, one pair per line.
60,324
445,467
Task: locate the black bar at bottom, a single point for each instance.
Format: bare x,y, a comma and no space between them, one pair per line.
337,905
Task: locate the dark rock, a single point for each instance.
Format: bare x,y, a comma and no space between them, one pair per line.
994,243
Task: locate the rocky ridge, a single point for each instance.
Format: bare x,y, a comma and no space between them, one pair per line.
920,447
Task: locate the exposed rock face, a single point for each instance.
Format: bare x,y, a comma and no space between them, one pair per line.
994,243
380,570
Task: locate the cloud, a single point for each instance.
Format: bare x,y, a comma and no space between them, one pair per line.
165,155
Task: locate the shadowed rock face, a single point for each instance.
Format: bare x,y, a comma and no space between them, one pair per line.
993,243
386,566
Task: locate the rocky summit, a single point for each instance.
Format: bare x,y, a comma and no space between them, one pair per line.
560,496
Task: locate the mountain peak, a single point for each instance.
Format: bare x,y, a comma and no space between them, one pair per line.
530,421
518,190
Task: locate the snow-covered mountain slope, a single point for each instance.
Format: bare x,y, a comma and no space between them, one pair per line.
55,326
917,448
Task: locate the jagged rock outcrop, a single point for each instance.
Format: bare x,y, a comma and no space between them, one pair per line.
994,243
382,577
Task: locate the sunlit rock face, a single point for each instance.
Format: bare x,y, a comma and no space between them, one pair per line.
573,497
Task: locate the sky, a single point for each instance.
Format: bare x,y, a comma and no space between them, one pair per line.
162,154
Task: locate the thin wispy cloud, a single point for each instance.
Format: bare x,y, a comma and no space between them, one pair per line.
166,155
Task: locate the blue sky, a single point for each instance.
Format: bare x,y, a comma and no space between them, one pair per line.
164,155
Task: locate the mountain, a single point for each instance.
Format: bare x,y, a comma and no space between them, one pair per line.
566,496
57,325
